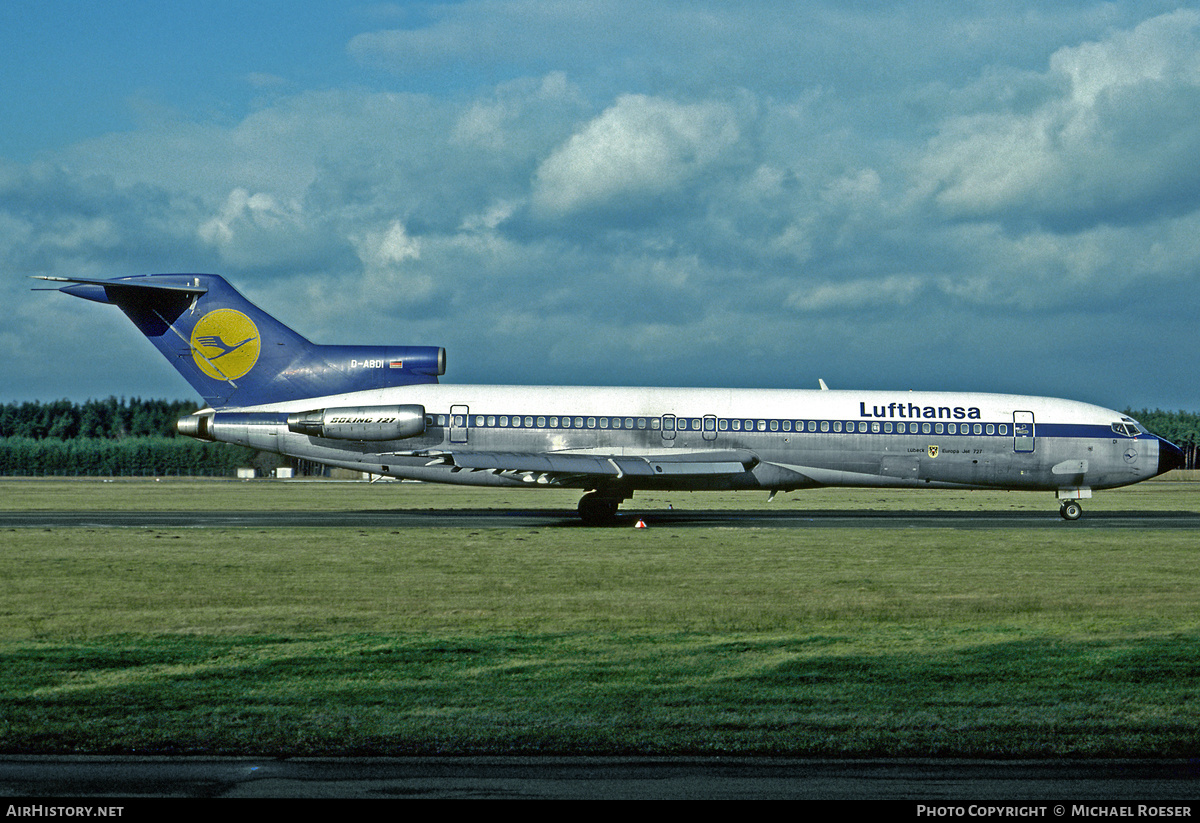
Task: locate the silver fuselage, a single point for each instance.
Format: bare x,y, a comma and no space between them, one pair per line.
797,438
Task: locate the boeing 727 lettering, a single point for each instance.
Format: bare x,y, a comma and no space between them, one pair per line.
381,410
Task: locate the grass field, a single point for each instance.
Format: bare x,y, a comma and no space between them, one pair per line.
840,642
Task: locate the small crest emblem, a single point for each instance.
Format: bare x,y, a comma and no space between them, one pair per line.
933,451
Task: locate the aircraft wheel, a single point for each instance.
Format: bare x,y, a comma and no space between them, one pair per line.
1071,510
598,511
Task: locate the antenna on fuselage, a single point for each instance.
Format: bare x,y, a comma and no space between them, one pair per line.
823,386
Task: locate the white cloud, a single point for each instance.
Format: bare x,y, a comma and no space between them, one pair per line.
253,230
1116,140
641,146
894,291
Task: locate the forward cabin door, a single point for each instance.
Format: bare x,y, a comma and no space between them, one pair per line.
1023,432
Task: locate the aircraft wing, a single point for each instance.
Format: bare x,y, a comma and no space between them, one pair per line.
615,466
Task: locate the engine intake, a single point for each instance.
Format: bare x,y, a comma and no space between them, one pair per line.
360,423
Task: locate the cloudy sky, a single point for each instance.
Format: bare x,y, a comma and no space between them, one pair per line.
993,196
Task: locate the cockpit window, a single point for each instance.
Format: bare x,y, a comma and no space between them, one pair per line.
1128,428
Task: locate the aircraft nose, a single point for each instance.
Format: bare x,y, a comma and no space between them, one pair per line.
1170,456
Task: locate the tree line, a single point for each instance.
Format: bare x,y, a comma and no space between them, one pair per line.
110,419
136,437
111,438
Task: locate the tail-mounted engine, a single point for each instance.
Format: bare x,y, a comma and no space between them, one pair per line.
360,423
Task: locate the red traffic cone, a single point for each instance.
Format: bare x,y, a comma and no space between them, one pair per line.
641,524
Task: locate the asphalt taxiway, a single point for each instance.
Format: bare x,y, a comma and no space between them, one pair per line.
1154,783
564,518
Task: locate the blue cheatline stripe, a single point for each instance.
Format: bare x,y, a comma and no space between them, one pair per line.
754,425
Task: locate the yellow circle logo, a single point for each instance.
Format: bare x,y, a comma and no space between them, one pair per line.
225,344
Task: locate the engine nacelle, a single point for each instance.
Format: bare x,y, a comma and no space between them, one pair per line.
198,426
360,423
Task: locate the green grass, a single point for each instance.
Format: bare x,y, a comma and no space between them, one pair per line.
914,693
855,643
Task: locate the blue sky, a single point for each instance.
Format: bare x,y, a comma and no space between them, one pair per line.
991,196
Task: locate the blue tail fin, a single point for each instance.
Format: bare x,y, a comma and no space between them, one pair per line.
235,354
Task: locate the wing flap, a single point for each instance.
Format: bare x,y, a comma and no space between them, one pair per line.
602,465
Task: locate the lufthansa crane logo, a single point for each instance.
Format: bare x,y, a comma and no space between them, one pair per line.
225,344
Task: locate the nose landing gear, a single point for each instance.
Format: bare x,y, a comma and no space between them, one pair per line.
1070,510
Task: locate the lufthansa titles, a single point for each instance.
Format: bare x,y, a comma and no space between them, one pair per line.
911,411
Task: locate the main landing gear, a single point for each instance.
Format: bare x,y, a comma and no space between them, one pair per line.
598,509
1070,510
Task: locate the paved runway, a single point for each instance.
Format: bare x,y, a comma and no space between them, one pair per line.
936,782
566,518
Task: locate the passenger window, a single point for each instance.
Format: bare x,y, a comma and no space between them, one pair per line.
774,425
541,422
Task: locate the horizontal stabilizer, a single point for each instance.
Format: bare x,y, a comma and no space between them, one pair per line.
107,290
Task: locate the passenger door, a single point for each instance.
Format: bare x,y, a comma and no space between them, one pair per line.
1023,432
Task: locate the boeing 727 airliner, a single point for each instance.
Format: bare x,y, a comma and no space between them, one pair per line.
381,410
